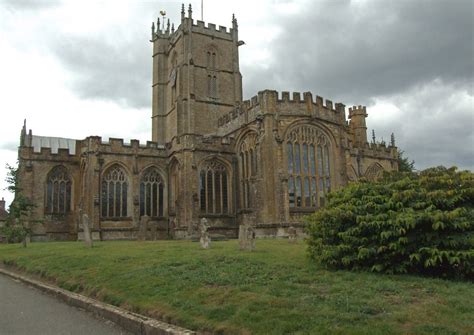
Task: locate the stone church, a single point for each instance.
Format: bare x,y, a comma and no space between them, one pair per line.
267,161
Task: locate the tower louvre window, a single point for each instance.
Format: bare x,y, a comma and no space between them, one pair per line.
58,191
309,174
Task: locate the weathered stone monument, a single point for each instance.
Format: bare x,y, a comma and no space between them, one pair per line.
205,239
246,237
292,234
87,229
143,227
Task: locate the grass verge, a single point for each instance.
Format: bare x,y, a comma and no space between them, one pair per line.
273,290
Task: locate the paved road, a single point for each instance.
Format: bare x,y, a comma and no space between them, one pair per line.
26,310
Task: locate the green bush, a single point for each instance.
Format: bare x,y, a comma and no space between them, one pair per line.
405,223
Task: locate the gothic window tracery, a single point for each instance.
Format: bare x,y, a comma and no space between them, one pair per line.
309,169
114,192
151,193
214,188
374,172
247,169
58,191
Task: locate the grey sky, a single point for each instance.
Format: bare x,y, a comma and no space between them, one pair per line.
410,62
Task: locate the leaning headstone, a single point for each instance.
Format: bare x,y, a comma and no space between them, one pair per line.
87,230
143,227
246,237
205,239
292,234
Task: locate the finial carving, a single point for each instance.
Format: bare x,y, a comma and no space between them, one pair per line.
190,11
392,140
172,27
373,136
152,30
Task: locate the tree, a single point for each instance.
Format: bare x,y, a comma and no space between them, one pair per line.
404,165
17,227
408,222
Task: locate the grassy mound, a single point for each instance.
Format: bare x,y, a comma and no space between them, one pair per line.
274,290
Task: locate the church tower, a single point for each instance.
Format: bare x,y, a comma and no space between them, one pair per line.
196,77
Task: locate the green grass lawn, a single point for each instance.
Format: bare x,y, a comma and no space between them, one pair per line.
273,290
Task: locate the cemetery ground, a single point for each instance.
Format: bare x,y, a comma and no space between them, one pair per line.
275,289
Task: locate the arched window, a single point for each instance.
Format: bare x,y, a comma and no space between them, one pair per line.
151,193
374,172
114,192
214,188
211,59
58,191
247,169
309,174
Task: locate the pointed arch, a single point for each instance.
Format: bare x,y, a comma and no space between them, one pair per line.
214,186
374,172
58,191
114,191
152,192
309,165
247,161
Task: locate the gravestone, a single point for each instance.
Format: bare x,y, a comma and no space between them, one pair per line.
205,239
86,226
143,227
246,237
292,234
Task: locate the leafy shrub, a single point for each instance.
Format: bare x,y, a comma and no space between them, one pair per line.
406,223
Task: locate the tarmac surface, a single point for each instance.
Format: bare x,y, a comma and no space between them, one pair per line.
26,310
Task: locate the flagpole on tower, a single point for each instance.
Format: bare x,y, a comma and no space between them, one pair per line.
202,10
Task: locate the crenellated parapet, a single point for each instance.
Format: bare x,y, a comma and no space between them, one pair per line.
166,30
118,146
284,104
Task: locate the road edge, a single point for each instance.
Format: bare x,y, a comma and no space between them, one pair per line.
132,322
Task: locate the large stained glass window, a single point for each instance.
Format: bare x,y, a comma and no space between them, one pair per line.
309,168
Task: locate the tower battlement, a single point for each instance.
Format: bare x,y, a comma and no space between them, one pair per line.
167,29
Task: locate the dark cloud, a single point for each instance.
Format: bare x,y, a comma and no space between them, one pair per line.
417,55
435,125
107,68
353,51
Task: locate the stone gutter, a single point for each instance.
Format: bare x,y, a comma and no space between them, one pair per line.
132,322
